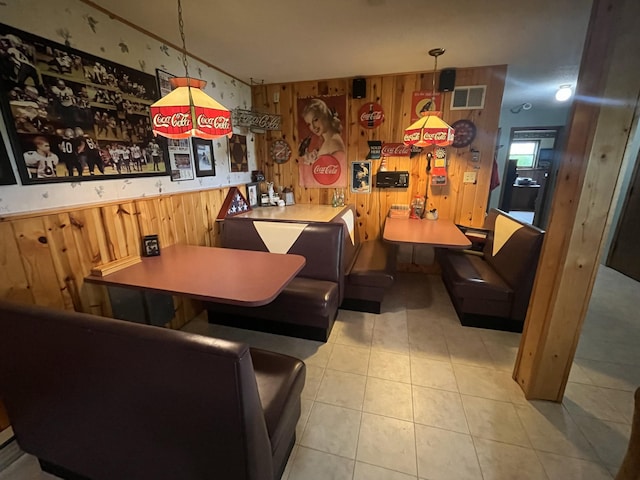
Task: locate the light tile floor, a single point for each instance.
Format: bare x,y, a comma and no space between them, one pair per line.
411,394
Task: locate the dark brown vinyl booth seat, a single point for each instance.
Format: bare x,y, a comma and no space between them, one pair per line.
103,399
370,267
491,289
307,307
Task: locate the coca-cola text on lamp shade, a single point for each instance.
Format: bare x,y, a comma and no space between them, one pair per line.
189,112
429,130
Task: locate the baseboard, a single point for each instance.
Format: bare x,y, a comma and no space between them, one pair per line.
492,323
358,305
270,326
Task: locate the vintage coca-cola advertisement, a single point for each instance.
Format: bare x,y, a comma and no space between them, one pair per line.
425,102
322,152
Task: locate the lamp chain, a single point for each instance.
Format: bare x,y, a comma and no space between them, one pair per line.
184,46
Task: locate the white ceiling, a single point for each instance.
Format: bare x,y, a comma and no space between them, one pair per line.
294,40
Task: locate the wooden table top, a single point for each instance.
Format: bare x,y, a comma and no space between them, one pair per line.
302,212
223,275
437,233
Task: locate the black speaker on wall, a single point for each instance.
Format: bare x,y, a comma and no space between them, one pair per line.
447,80
359,87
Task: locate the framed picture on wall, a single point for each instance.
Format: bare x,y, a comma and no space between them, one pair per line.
361,177
204,159
71,114
6,173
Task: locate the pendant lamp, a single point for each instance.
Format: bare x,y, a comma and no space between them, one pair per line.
187,111
430,129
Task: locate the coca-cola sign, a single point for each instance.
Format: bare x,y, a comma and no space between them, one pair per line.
256,120
396,150
178,120
326,170
370,115
218,122
437,136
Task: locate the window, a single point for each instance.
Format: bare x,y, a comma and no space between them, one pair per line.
468,98
524,153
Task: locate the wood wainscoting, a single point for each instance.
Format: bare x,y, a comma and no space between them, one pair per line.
45,256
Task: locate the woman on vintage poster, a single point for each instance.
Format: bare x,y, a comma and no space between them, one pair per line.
322,152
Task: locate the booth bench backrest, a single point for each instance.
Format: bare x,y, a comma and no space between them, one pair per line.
321,244
513,249
111,399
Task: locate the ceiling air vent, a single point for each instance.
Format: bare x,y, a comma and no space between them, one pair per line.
468,98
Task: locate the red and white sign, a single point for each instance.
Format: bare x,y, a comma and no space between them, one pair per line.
326,170
396,150
370,115
425,102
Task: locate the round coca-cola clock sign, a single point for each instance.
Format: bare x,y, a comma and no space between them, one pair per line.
371,115
326,170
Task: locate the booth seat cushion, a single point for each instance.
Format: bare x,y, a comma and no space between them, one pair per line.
471,276
372,266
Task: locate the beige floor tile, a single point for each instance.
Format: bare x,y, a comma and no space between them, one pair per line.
305,410
391,399
445,455
609,439
390,333
467,348
390,366
578,374
348,358
428,342
332,429
433,373
558,467
623,402
356,329
439,408
312,353
611,375
312,381
387,442
501,461
25,468
342,389
364,471
503,356
551,429
494,420
289,465
591,400
335,331
487,383
313,465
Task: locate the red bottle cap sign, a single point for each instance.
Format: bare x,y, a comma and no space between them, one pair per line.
326,170
370,115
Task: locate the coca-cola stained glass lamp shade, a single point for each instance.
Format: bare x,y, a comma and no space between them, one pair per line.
189,112
234,204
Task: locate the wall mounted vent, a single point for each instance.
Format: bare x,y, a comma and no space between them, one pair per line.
468,98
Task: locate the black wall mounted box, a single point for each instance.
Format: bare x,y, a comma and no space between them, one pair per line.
392,179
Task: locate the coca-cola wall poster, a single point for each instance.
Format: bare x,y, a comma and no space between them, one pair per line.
74,117
322,152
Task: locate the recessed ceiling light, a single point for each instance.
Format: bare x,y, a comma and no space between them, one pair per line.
564,93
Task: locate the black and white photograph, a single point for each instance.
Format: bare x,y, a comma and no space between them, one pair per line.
361,177
71,114
253,191
204,160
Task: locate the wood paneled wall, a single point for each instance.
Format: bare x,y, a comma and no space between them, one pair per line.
464,203
44,257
